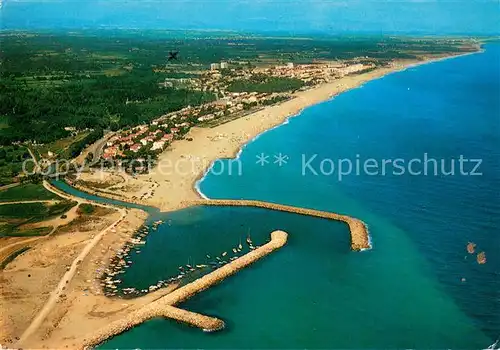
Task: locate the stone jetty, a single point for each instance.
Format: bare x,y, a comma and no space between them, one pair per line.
163,307
207,323
359,232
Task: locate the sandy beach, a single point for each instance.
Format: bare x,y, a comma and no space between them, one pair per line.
171,184
28,284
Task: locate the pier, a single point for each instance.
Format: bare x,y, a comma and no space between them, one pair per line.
359,232
163,307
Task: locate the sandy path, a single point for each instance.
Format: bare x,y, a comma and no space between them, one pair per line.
17,242
36,169
55,223
6,187
58,291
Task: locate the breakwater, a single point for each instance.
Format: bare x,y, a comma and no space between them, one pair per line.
359,232
163,307
360,239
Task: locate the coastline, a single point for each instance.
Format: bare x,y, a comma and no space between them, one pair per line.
189,192
188,162
79,296
162,307
174,183
286,120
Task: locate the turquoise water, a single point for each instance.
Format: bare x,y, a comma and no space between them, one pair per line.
192,234
408,291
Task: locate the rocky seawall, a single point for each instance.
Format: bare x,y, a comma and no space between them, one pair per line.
360,239
163,307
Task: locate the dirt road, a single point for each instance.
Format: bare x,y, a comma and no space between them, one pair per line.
68,276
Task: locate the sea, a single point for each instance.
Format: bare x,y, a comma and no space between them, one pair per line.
416,156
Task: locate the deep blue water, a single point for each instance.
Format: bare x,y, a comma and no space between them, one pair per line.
444,109
418,287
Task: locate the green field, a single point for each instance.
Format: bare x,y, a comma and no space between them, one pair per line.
34,212
58,147
86,208
14,216
110,79
11,162
27,192
261,83
4,122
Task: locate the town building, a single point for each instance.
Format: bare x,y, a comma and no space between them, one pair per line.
168,137
135,147
214,66
157,145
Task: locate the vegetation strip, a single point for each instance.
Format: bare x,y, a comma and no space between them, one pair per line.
11,257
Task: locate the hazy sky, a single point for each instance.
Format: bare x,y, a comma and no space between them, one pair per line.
329,16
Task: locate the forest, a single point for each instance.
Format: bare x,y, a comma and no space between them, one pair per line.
262,83
40,114
50,81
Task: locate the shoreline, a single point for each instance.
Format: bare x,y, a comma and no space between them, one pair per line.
188,162
163,307
188,192
358,229
78,294
237,152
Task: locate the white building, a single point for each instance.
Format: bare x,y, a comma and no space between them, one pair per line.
157,145
206,117
289,65
214,66
352,69
224,65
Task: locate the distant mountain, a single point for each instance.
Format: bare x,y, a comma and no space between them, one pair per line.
298,16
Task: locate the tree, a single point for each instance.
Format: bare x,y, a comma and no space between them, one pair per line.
89,157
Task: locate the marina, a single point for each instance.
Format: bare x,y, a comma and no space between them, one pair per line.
163,306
